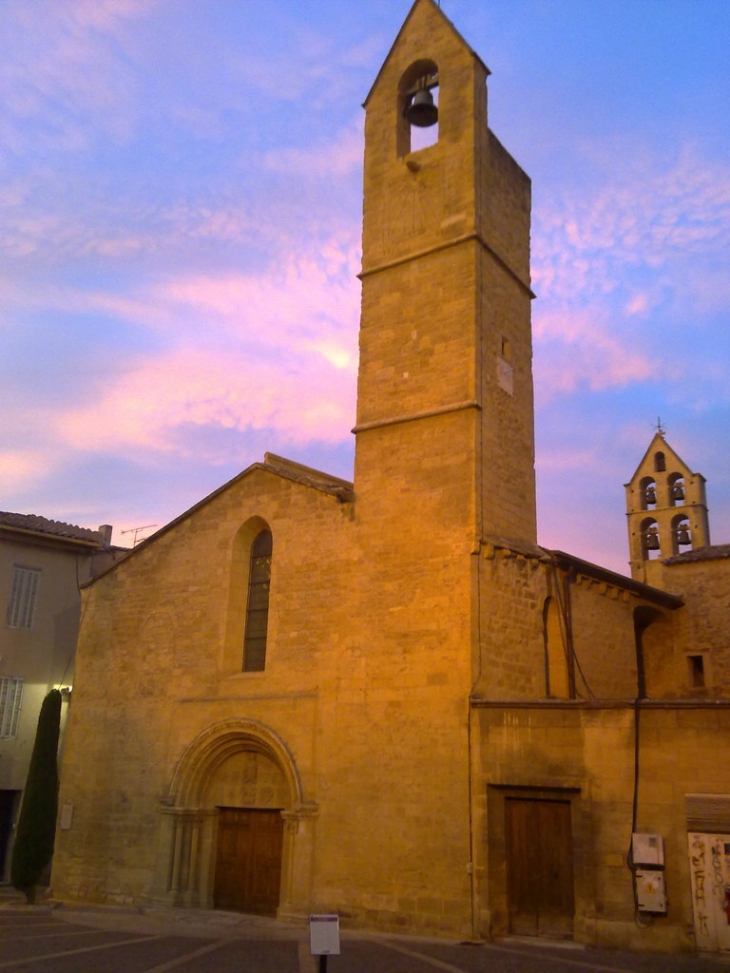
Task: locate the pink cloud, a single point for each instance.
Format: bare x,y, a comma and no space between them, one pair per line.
305,298
106,14
638,304
64,63
577,349
338,157
23,467
303,399
276,351
648,213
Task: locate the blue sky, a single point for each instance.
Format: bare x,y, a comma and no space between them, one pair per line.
180,204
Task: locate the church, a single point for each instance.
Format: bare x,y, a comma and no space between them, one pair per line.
383,699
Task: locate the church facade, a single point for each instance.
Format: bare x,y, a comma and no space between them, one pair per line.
383,698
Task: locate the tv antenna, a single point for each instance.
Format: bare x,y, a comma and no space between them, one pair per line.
136,531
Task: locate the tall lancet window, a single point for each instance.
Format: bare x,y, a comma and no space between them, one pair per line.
257,609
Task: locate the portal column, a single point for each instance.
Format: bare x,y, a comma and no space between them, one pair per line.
297,866
185,857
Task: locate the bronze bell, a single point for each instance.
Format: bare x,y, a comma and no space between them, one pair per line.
650,495
677,492
652,539
422,111
683,535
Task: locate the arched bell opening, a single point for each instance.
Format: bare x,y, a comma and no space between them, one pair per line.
675,484
236,832
647,493
418,107
681,534
651,544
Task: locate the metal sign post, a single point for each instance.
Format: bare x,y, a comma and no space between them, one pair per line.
324,938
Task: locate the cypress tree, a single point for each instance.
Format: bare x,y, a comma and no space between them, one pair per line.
36,831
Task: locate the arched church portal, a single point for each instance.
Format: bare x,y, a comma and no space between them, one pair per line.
236,832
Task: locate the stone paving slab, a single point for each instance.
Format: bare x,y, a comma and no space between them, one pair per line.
75,939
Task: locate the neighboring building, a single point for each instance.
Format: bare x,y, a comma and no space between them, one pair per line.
666,509
42,564
384,699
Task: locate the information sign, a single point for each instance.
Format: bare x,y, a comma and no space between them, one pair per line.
324,935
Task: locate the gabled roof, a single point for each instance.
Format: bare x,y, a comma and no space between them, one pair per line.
438,12
34,524
285,468
306,475
341,490
659,444
713,552
638,588
567,562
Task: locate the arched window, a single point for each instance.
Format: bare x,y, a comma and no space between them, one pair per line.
257,608
660,463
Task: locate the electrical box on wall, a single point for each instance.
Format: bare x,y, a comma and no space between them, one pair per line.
650,891
647,849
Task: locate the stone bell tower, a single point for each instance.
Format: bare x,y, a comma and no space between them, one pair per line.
445,399
666,509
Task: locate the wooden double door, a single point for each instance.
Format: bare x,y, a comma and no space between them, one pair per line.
539,867
248,860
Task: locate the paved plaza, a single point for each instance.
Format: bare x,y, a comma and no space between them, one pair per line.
75,940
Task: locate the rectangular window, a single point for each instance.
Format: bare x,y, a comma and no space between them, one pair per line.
11,694
696,671
23,590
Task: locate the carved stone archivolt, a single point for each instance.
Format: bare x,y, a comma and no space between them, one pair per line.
236,762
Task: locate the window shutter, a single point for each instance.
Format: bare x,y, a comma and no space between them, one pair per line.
11,695
709,813
23,591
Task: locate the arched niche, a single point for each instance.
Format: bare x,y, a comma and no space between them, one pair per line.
654,653
557,670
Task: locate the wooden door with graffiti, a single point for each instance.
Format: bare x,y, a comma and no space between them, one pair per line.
709,864
539,867
248,860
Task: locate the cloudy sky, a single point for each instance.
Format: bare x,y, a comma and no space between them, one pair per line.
180,201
